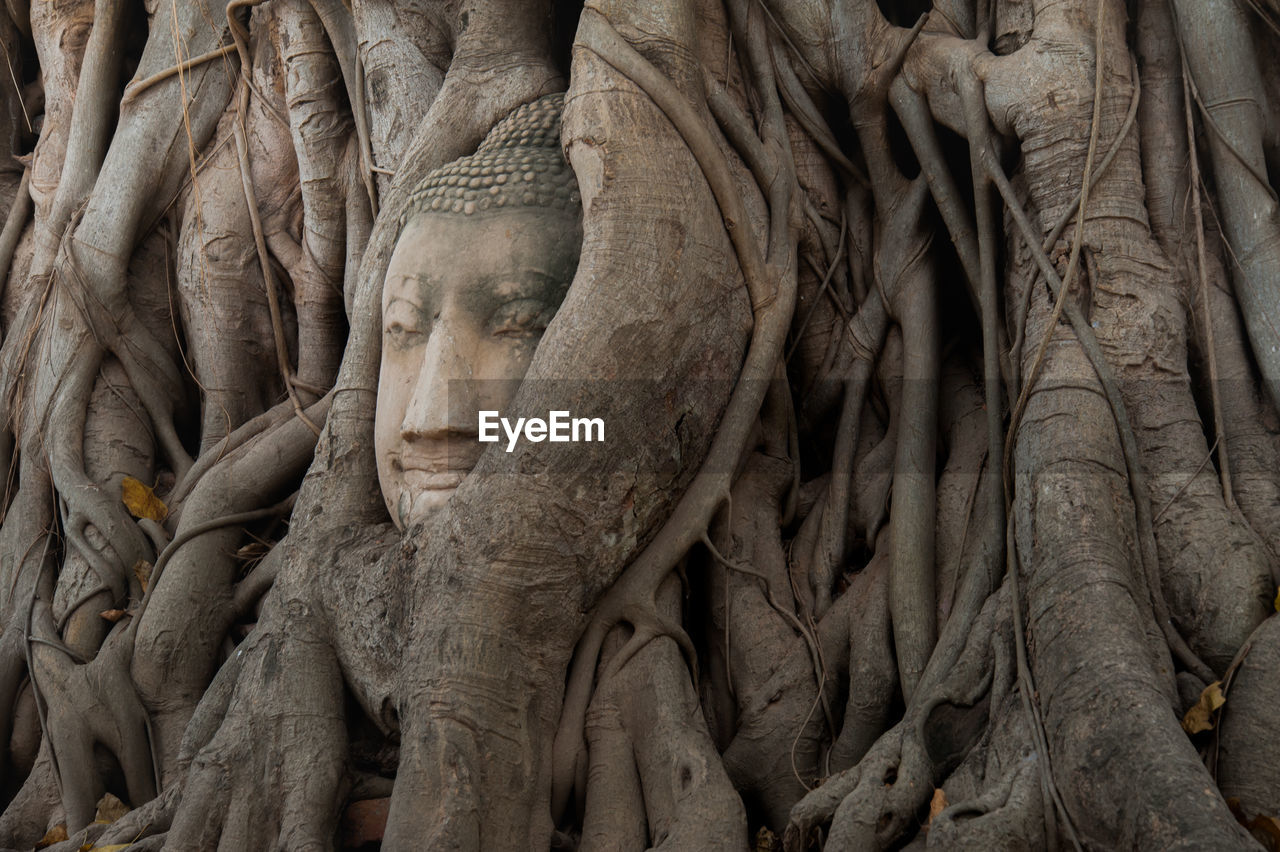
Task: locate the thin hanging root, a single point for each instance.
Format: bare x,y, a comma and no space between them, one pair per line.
773,309
240,37
90,594
913,112
279,510
806,112
824,289
810,640
989,294
268,279
918,122
908,285
1219,430
137,87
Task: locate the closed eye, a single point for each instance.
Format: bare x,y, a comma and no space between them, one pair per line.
402,336
522,319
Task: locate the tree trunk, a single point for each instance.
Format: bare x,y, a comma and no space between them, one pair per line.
936,350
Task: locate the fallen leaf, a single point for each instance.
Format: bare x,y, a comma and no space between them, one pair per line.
110,809
766,841
1277,601
141,501
142,570
1200,717
113,615
937,804
57,834
1266,830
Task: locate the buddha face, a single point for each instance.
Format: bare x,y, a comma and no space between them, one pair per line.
465,302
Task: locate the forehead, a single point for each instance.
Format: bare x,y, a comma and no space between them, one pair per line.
436,249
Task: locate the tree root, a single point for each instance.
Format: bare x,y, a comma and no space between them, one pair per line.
676,775
709,488
1007,810
873,804
1246,739
176,654
274,773
778,748
87,705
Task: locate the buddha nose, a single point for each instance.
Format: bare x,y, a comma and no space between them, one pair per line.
443,399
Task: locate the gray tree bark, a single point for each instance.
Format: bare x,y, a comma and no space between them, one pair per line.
937,349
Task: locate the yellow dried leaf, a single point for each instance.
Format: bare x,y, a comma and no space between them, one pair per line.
1200,717
1277,601
142,570
112,615
141,501
1266,830
110,809
57,834
766,841
937,804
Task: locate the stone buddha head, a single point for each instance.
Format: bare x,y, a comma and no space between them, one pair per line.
486,251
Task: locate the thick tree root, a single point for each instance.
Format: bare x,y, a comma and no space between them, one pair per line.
872,804
1247,768
1003,807
87,705
778,749
274,773
676,776
176,654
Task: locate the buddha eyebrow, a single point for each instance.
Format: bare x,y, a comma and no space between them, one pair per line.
413,303
416,279
529,277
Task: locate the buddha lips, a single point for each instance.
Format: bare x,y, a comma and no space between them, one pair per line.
559,427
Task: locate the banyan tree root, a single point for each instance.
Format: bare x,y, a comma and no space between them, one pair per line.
1244,744
668,789
88,705
221,294
995,799
777,752
176,654
874,803
276,764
